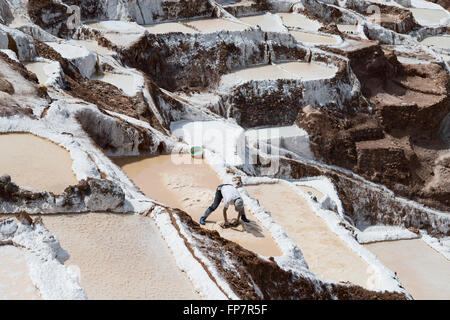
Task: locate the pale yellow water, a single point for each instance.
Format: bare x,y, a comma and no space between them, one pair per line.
216,24
289,70
15,282
122,81
326,254
93,46
437,41
168,27
191,187
40,68
424,273
35,162
347,27
307,71
299,21
429,16
313,38
120,257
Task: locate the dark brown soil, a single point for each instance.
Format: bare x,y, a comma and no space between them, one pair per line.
272,281
106,96
396,144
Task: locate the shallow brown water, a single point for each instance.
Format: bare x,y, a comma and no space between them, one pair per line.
191,187
424,273
15,282
120,256
326,254
36,162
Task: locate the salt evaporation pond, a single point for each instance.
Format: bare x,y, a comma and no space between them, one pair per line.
437,41
191,187
120,256
307,37
296,20
42,69
168,27
124,82
348,28
15,282
93,46
36,162
290,70
428,16
424,272
215,24
326,254
120,33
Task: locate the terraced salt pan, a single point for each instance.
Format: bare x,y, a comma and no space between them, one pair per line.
120,257
349,28
43,70
424,273
15,282
426,16
215,24
308,71
124,82
121,33
35,162
437,41
289,70
326,254
267,22
191,187
93,46
296,20
307,37
169,27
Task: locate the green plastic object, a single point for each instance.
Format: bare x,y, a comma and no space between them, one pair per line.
197,152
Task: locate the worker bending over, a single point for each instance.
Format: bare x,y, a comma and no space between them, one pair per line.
230,195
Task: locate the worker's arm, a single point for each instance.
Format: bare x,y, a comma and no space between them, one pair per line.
225,214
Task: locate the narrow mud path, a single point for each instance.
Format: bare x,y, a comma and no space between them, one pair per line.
15,282
191,187
326,254
424,273
35,162
120,257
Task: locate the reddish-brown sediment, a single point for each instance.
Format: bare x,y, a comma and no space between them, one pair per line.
272,281
105,95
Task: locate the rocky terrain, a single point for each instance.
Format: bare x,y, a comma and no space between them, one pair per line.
364,84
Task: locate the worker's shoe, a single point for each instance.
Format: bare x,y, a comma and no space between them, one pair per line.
244,218
202,221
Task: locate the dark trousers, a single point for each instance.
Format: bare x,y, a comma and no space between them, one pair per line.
217,199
